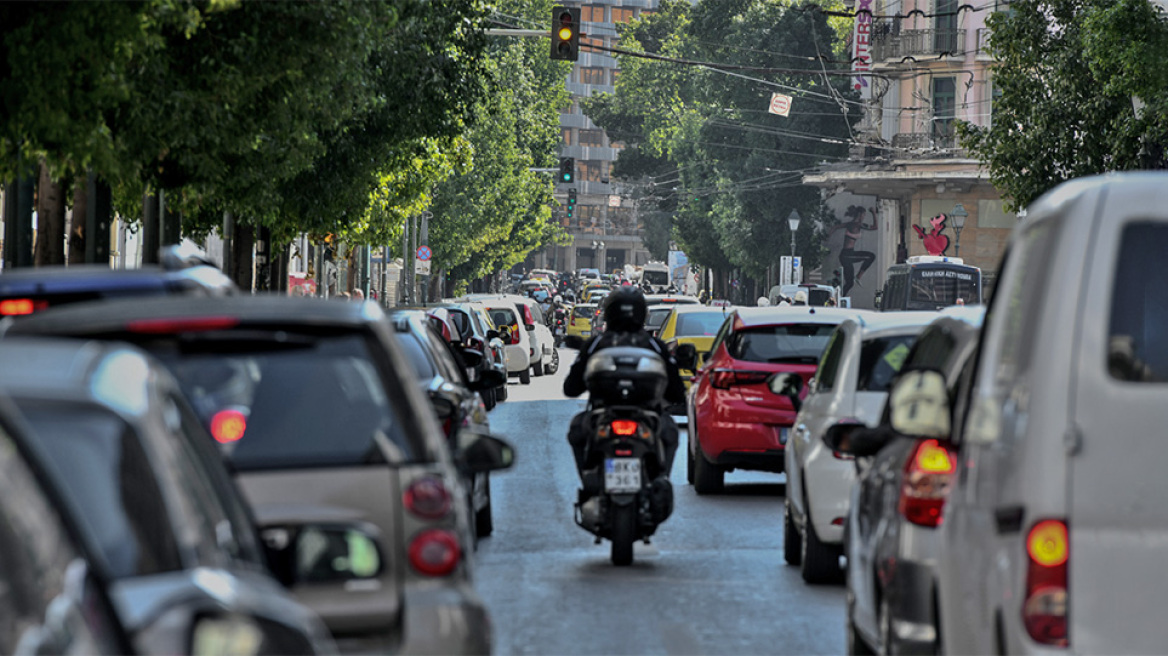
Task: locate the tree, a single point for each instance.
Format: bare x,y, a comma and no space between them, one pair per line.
1082,89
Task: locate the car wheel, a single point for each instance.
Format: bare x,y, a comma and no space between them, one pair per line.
708,477
554,365
501,393
624,533
484,521
689,466
792,550
537,367
488,398
819,562
525,376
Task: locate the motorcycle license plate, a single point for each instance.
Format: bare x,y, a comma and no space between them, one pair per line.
622,474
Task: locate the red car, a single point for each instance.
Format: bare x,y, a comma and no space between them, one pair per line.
735,420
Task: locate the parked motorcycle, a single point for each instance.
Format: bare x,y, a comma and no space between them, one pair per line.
624,456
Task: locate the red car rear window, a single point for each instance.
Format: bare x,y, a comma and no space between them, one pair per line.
791,343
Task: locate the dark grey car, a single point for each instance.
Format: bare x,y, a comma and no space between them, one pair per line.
313,407
149,496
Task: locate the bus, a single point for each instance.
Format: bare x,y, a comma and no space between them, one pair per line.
930,282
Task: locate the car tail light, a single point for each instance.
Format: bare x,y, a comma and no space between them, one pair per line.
927,476
516,336
1044,610
427,498
725,378
434,552
17,306
184,325
228,426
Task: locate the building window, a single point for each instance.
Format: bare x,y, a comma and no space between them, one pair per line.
944,108
622,14
566,134
591,138
592,13
591,75
621,221
592,170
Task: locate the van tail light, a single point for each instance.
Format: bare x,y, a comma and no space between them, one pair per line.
1044,610
435,552
725,378
12,307
427,498
927,477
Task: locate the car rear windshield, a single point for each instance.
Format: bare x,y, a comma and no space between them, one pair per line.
109,478
656,277
657,317
583,311
698,324
503,317
309,400
796,343
1139,315
818,297
415,352
880,359
936,287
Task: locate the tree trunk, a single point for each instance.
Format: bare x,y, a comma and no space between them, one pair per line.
50,238
241,256
77,223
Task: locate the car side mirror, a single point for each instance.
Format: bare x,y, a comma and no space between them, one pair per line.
443,407
488,379
480,452
855,438
686,355
324,552
493,334
574,342
918,405
788,384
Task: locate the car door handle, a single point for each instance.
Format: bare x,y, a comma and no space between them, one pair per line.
1008,519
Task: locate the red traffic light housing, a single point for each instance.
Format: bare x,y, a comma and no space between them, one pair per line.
565,34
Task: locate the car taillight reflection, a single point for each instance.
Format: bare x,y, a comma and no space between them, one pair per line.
1044,609
228,426
725,378
434,552
12,307
927,476
427,498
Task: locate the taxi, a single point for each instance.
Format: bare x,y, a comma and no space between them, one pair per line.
580,320
693,324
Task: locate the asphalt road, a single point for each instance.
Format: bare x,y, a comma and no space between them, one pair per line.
713,581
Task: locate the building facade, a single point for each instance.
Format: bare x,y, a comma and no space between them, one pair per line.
605,229
931,69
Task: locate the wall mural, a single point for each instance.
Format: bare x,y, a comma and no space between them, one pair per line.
935,242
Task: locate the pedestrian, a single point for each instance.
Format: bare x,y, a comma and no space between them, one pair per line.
358,295
800,297
829,303
960,301
763,301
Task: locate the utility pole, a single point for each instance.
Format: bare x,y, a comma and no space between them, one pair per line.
407,263
151,206
424,234
98,213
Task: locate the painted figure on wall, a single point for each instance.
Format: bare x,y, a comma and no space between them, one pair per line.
849,256
935,242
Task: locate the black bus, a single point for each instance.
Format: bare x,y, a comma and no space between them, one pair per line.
930,282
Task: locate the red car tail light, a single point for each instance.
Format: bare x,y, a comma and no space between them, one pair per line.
927,476
435,552
427,498
624,427
184,325
1044,609
228,426
725,378
18,306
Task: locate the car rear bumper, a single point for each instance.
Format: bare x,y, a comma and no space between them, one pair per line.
746,445
771,460
517,358
438,620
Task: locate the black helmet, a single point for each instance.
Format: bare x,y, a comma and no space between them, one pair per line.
625,310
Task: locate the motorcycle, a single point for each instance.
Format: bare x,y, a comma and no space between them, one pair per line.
560,327
624,456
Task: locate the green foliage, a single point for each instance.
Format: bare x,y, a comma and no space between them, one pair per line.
1067,74
728,171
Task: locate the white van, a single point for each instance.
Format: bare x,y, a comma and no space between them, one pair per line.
1054,537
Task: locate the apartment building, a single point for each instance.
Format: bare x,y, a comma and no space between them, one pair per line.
605,229
931,70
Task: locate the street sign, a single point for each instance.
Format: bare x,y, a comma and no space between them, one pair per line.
422,267
614,200
424,253
780,104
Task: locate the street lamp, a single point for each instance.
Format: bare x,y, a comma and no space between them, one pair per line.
793,221
959,215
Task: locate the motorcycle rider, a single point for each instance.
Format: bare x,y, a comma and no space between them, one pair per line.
624,317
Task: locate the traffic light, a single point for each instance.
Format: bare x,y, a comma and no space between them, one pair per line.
567,170
570,208
837,277
565,33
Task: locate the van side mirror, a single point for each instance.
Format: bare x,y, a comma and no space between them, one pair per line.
687,356
918,405
788,384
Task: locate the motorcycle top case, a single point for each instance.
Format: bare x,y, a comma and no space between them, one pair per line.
626,374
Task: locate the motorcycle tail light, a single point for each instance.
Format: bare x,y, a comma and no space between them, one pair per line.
624,427
427,498
435,552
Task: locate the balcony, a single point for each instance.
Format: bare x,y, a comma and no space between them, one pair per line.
894,46
922,143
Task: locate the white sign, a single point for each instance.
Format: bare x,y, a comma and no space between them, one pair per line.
780,104
422,267
785,270
796,270
614,201
862,48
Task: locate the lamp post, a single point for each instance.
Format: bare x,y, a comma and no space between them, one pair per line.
959,215
793,221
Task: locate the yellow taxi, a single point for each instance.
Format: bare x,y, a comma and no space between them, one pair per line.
592,290
580,320
693,324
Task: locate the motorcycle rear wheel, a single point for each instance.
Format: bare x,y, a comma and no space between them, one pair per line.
624,534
